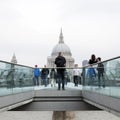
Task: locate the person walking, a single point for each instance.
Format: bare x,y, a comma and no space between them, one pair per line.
100,69
44,75
53,77
60,62
76,75
36,76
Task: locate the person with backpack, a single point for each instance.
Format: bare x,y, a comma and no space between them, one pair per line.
60,62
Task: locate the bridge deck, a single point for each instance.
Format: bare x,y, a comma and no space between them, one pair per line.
47,115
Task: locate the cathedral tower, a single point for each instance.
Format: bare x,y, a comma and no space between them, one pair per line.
14,60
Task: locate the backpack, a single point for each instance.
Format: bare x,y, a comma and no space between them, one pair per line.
60,62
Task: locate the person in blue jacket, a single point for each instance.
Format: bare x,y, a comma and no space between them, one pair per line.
91,75
36,76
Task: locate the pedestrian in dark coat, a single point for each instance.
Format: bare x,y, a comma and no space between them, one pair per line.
60,62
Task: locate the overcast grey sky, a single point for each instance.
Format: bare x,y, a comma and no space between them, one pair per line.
31,28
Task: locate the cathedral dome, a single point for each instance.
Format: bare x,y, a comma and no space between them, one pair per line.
61,47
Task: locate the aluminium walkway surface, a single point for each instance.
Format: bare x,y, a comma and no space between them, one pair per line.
47,115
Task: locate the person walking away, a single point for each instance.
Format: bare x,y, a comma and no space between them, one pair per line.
66,77
36,76
60,62
100,69
44,75
53,77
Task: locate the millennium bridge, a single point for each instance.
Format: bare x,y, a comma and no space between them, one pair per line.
20,99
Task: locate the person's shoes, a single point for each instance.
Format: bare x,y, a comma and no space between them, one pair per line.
63,88
58,88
